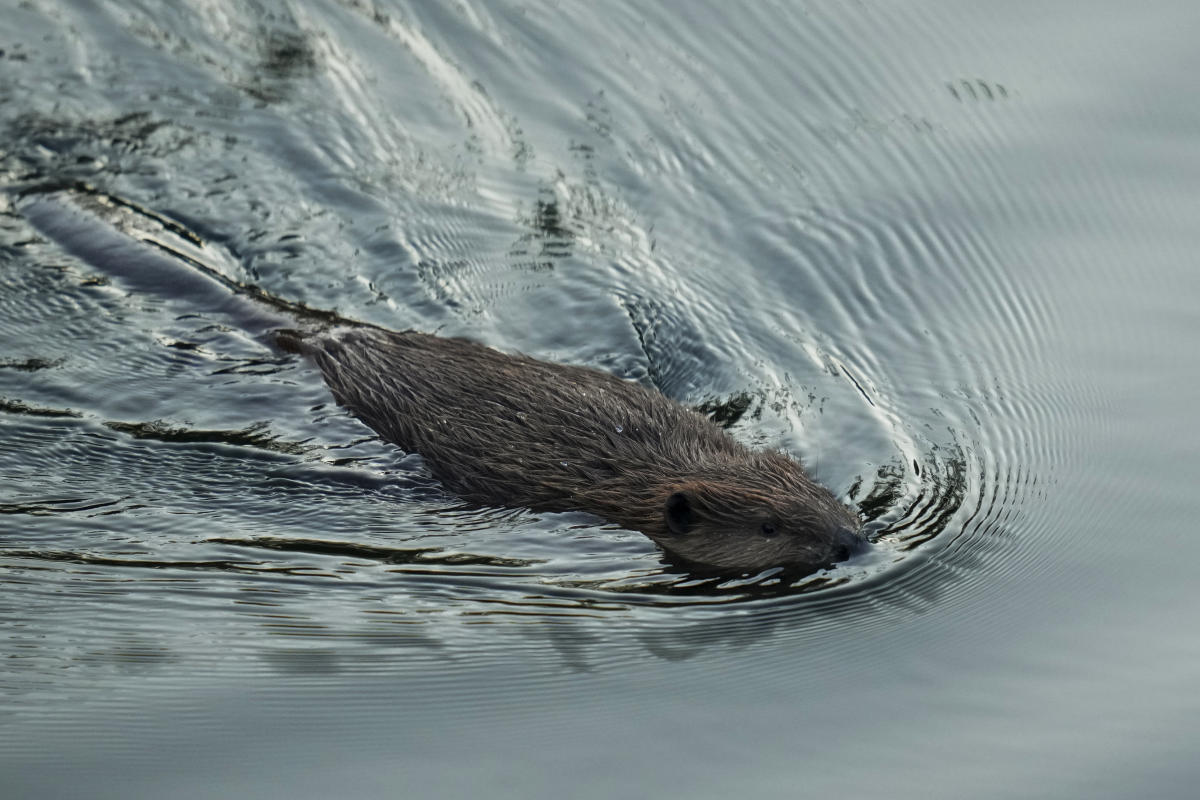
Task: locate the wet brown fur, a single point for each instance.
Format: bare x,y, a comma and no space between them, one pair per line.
509,430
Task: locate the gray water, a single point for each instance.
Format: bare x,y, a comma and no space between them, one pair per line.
942,252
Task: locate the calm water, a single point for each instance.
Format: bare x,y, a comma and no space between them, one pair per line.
944,252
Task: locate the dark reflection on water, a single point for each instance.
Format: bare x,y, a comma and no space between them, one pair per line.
387,555
918,247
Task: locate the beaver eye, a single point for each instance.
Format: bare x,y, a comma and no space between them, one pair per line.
680,516
767,529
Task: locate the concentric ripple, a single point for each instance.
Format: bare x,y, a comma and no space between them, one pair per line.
827,253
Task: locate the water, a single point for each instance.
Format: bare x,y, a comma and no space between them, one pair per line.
941,251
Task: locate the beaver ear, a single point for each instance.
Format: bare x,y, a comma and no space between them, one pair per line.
679,514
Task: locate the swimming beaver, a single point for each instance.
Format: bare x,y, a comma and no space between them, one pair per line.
496,429
513,431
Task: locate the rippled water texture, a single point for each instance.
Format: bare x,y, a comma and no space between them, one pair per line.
942,252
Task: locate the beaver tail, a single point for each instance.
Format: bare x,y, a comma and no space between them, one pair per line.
154,254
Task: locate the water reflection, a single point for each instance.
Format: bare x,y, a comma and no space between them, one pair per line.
942,251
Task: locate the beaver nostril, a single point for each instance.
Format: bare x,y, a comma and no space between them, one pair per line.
846,543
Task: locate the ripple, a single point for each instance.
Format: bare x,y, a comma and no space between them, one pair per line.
534,570
836,273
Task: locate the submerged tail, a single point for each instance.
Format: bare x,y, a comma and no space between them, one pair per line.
154,254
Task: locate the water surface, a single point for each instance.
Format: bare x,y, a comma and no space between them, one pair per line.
943,252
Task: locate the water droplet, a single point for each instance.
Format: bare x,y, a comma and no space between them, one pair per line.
620,429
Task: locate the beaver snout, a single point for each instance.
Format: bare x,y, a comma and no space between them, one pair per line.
846,543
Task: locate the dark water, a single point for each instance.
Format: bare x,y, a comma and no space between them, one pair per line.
942,251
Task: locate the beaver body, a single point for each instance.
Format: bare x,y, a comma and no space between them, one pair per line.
496,429
509,430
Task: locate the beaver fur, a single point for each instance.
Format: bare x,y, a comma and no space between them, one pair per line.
509,430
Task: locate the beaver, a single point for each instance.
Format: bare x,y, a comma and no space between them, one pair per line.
496,429
514,431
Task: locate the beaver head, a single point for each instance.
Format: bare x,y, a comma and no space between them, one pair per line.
749,514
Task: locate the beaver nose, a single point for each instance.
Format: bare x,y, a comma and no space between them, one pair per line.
846,542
